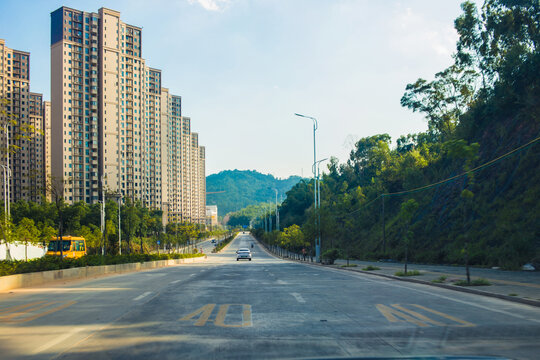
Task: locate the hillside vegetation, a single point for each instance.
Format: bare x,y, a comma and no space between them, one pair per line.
387,201
243,188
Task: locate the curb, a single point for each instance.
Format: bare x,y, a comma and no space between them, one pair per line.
226,246
450,287
444,286
34,279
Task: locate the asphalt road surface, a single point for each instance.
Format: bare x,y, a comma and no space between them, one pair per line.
265,308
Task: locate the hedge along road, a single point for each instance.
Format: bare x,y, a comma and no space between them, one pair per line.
265,308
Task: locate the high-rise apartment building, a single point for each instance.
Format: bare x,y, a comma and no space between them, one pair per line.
113,125
47,144
34,150
22,127
98,93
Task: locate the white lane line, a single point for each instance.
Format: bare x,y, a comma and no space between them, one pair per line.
281,282
298,297
57,340
175,281
142,296
192,274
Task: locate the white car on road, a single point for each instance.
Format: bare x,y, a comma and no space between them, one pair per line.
243,253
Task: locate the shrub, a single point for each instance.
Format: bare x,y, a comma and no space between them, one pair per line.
222,244
408,273
330,255
476,282
370,267
47,263
439,280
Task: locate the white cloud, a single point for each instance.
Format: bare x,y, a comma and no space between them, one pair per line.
211,5
415,33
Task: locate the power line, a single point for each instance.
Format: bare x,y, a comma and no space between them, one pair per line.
491,162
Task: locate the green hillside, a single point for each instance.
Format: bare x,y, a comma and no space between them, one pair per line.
467,189
243,188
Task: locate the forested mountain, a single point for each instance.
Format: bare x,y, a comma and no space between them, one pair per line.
243,188
467,189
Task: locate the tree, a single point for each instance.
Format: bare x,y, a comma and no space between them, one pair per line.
292,238
130,221
408,209
27,232
55,187
442,100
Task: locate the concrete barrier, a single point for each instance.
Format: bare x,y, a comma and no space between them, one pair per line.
39,278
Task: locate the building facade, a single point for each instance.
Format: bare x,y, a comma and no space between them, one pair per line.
22,128
113,126
212,215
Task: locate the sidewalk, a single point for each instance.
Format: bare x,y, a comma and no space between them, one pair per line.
513,284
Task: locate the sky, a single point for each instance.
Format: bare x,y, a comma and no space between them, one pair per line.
243,68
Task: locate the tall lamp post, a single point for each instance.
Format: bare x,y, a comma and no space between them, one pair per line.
277,211
119,198
4,167
315,126
318,206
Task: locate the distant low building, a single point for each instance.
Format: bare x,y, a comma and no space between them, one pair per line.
211,215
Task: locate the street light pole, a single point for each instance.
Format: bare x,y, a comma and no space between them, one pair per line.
5,194
277,211
315,126
119,228
319,199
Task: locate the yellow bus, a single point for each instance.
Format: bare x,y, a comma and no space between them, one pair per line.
72,247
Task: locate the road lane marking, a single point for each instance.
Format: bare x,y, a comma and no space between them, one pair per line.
57,340
192,274
16,314
175,281
142,296
399,313
418,315
281,282
391,282
222,313
298,297
205,312
19,307
392,315
449,317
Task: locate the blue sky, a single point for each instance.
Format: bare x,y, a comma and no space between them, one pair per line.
245,67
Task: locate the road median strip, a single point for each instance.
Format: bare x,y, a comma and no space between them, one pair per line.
17,281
